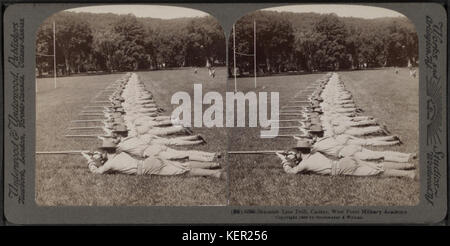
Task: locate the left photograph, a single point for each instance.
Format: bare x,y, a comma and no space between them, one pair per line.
106,77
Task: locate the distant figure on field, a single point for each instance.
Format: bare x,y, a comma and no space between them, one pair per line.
412,73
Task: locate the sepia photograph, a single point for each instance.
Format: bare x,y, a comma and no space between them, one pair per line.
348,120
105,76
225,113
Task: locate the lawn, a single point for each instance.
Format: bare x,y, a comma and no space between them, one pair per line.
260,180
253,179
64,180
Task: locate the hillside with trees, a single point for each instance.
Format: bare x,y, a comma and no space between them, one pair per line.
109,42
309,42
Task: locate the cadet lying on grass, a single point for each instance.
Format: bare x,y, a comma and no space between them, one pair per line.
300,160
106,161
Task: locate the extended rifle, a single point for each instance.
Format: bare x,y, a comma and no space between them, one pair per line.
255,152
62,152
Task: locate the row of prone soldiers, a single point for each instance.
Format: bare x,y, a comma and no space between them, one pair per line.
138,138
335,138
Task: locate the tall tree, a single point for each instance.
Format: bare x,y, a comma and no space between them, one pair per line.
73,39
206,41
332,53
105,44
130,54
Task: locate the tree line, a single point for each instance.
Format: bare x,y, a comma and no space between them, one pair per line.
285,42
109,42
310,42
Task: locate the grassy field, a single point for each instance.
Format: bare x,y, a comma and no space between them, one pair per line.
260,180
66,181
253,179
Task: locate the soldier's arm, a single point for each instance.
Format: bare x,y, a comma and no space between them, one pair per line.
293,170
286,167
98,170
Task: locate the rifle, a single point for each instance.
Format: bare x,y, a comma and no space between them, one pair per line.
101,101
291,111
62,152
92,111
98,120
293,106
254,152
85,128
292,120
283,136
302,101
290,114
84,136
284,127
96,107
90,114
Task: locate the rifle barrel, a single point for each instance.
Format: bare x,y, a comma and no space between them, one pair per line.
81,136
282,136
283,127
60,152
293,120
88,127
293,106
254,152
99,120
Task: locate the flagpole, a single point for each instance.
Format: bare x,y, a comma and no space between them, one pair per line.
234,57
254,49
54,53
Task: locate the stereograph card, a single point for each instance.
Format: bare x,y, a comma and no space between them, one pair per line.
225,113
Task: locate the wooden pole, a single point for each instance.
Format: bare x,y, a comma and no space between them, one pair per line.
254,49
54,53
234,57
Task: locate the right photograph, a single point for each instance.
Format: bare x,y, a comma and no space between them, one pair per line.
347,126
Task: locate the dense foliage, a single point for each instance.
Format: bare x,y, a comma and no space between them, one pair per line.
109,42
320,42
285,42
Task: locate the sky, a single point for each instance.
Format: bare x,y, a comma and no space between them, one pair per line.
343,10
154,11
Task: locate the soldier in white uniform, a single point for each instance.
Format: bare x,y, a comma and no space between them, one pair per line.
294,162
334,149
144,146
106,161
